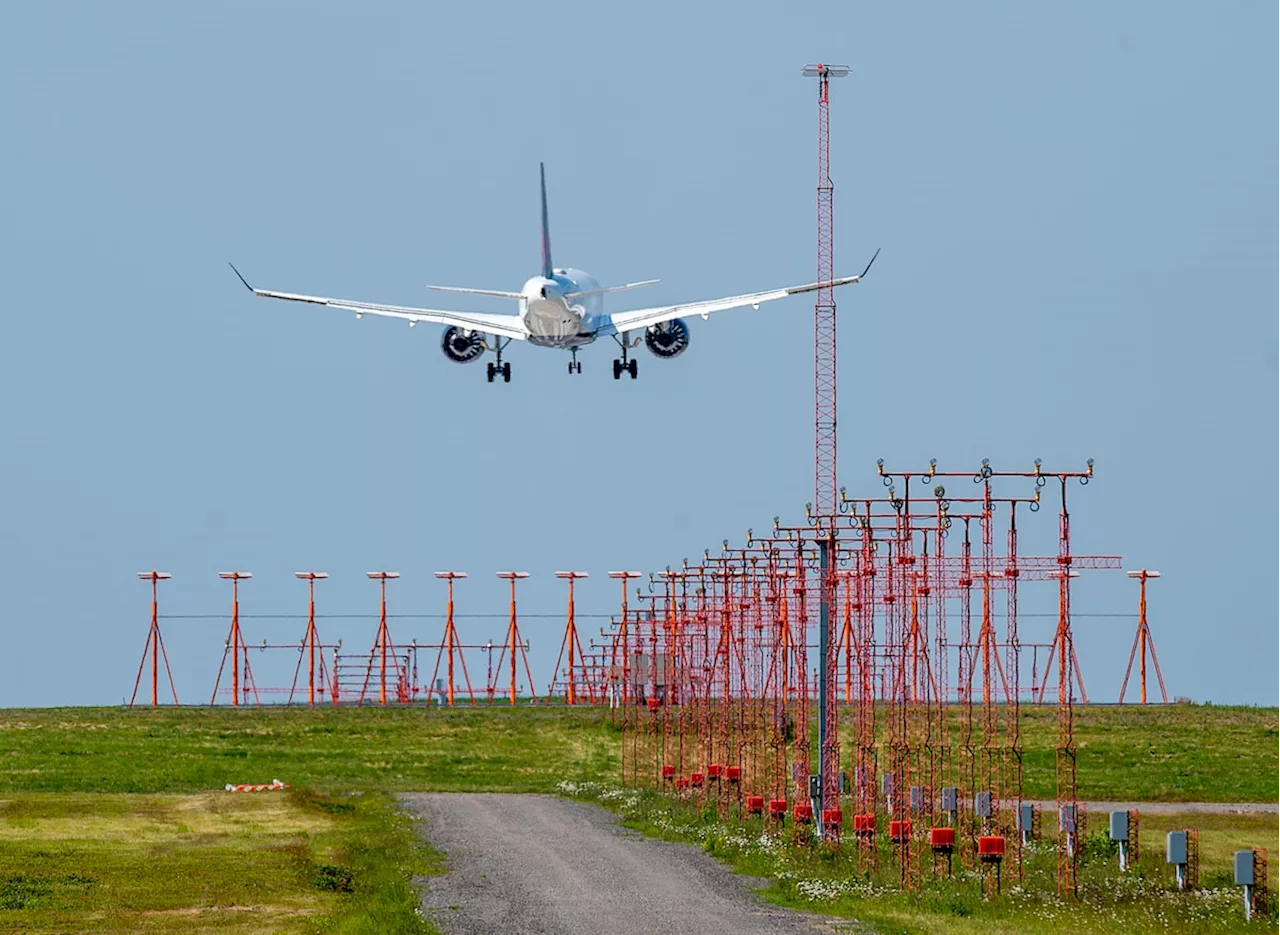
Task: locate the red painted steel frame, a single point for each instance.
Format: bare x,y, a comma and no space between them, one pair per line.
514,643
382,647
452,646
235,645
154,645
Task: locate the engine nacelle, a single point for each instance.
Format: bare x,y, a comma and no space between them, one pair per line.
668,339
460,346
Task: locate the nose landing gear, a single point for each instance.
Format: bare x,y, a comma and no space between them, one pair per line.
624,364
575,365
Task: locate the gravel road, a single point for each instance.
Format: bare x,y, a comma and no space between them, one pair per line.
539,865
1174,808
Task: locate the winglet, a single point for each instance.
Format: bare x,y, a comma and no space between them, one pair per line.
546,228
238,276
873,259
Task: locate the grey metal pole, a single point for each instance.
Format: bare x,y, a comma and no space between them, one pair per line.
824,645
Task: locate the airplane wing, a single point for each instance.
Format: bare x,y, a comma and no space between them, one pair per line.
506,326
647,317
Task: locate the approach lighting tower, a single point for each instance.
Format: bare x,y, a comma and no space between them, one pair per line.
311,645
155,646
382,645
824,313
1142,643
235,646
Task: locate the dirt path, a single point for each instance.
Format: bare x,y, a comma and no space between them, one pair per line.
534,864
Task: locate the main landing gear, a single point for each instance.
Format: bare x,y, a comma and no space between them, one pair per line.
499,367
575,366
624,364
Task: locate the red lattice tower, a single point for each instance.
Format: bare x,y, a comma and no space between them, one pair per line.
824,312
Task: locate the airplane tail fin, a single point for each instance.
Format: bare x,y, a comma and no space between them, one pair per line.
546,227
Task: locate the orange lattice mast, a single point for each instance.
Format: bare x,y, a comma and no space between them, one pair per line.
154,646
311,645
514,645
451,645
622,643
382,645
570,644
235,646
1142,641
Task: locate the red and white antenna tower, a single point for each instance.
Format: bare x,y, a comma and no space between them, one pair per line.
824,313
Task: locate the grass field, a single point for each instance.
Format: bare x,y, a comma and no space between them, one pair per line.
1173,753
206,862
1141,901
1186,753
113,820
392,749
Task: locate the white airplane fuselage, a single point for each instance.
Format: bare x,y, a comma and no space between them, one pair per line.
554,319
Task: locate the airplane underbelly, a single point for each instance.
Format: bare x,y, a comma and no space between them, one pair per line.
554,324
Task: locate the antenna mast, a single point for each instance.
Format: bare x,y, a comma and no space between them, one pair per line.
824,312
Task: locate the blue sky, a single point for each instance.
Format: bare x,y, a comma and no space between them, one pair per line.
1076,205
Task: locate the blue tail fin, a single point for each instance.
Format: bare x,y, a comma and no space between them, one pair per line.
546,228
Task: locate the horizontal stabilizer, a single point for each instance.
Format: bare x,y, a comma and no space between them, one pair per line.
494,292
630,285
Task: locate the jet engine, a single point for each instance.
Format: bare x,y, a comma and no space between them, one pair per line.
460,346
668,339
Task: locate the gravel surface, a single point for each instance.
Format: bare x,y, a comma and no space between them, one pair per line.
1175,808
534,864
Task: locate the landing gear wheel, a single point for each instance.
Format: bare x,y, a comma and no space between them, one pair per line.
578,366
490,372
632,368
506,373
570,368
617,369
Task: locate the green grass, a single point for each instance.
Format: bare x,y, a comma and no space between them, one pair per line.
1181,753
834,883
392,749
114,820
107,821
274,862
1160,753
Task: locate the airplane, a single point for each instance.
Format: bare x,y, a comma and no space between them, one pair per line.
560,308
